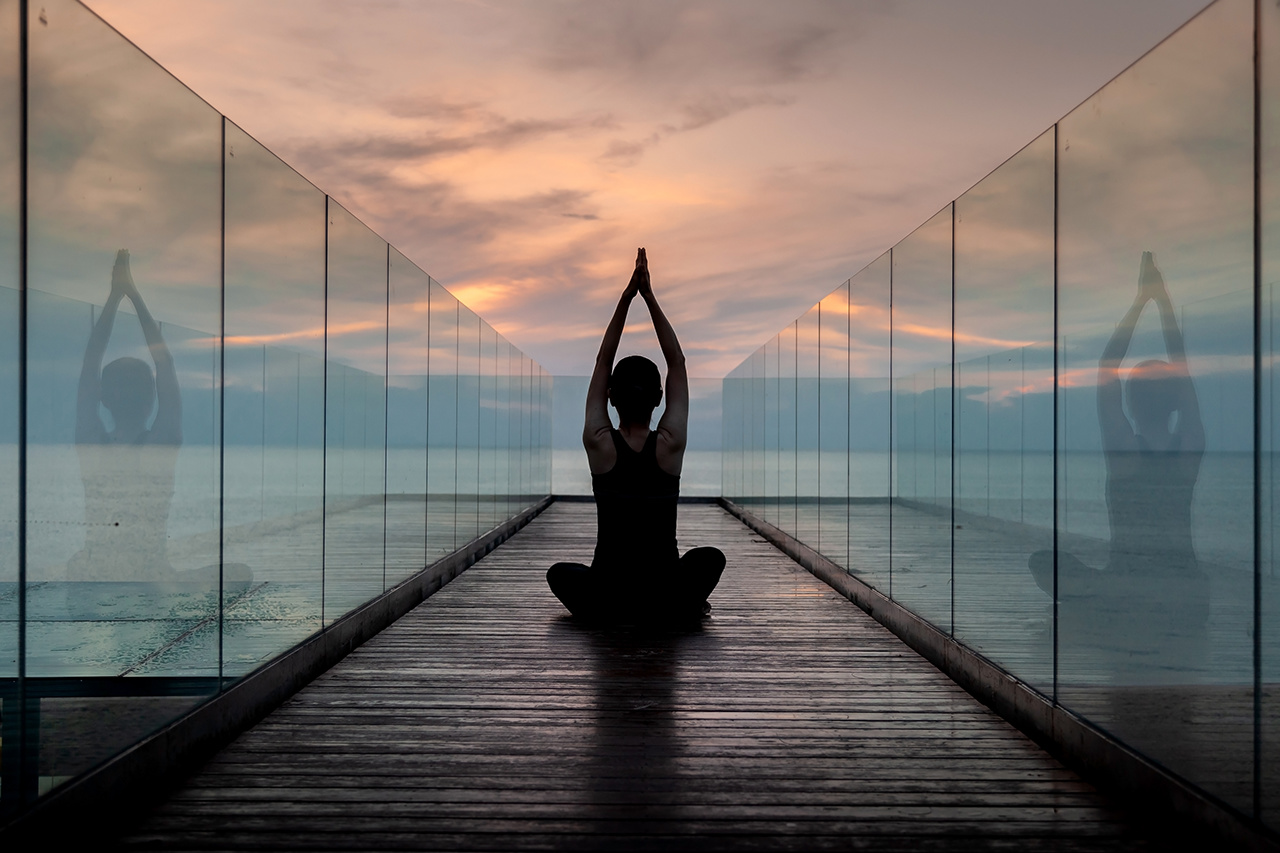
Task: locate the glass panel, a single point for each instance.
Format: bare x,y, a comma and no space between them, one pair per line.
869,424
442,425
1004,415
768,495
486,432
523,465
508,423
833,426
355,415
409,295
786,453
922,420
757,416
1269,487
806,421
273,458
543,436
731,436
10,213
468,424
1155,568
123,320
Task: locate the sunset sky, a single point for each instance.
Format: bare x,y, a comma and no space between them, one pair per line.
763,152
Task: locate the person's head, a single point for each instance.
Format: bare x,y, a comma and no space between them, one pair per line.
635,389
1151,390
128,390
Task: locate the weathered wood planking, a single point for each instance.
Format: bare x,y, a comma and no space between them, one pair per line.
488,720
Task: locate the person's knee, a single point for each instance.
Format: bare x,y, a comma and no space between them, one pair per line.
708,557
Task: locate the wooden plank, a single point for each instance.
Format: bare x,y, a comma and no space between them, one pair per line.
488,719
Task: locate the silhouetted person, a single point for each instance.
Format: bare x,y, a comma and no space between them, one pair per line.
1152,464
637,573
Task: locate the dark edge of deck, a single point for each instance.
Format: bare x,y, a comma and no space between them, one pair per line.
1105,762
112,796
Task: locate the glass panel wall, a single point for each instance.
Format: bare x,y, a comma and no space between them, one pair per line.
807,411
1103,276
1004,415
833,426
212,385
123,316
785,459
922,317
408,331
869,420
273,397
1155,300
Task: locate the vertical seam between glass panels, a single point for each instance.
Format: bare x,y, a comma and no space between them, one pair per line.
891,398
426,438
324,424
457,394
1057,427
951,395
222,386
1257,410
386,401
848,425
24,57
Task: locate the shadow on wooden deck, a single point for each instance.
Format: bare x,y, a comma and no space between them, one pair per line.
487,719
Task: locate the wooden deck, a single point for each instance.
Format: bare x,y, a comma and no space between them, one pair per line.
488,720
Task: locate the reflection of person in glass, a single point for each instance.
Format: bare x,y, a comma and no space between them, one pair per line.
637,573
128,469
1152,462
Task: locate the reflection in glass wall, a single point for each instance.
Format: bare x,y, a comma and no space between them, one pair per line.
355,413
227,437
922,317
1106,558
869,419
807,410
10,213
122,410
467,518
1004,415
409,296
833,426
1269,415
442,424
273,395
1155,567
785,457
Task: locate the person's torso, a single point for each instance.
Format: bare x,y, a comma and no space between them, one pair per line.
635,509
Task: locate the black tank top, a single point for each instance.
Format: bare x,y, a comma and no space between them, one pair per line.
635,509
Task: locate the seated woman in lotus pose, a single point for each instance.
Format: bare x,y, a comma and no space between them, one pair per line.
637,574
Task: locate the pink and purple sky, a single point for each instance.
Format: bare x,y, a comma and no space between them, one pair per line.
763,152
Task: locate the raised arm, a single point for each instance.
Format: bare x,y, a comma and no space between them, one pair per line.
673,428
89,426
1117,432
167,427
1190,426
596,425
